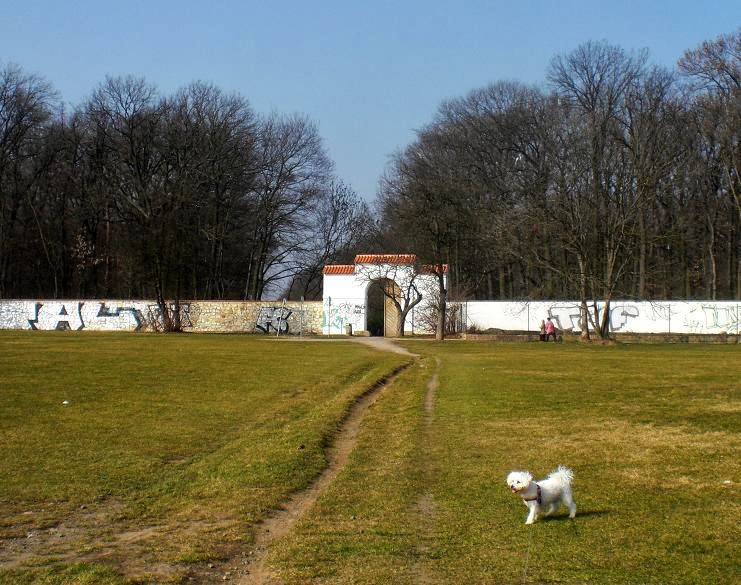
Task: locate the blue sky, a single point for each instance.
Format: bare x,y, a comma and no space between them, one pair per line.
368,73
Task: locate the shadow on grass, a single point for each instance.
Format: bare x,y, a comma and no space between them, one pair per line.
579,514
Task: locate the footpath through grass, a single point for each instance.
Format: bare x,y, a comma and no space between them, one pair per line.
154,450
651,432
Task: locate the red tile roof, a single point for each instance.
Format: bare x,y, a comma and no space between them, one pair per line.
380,259
385,259
339,269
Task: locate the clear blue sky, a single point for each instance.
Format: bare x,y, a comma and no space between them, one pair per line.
368,73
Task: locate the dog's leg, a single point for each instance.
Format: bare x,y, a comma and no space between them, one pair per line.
533,515
569,503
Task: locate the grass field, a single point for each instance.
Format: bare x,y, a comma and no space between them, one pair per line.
144,450
652,433
179,444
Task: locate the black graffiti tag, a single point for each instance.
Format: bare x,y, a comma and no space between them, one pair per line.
275,318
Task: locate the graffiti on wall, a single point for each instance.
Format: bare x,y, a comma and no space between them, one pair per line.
144,314
622,315
705,317
336,316
55,316
566,317
727,317
273,318
63,316
629,316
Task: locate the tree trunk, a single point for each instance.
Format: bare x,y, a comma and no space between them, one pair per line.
604,326
642,246
583,310
711,258
442,306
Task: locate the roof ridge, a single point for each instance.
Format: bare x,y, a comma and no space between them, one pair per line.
385,259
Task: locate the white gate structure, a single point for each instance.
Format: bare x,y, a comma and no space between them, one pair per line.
351,293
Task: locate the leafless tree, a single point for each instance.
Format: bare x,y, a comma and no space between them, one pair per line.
419,199
292,171
26,103
714,69
129,117
338,222
595,79
209,145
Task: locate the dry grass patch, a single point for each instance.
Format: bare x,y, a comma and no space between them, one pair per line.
141,456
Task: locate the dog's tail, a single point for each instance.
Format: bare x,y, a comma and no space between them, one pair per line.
563,475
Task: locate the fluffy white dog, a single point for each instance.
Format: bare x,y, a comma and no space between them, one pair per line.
545,494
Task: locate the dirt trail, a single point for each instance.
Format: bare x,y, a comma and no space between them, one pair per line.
426,507
432,387
382,344
251,569
246,567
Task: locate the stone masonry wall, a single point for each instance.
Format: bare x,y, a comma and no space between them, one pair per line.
140,315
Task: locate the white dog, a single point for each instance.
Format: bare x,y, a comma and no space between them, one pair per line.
545,494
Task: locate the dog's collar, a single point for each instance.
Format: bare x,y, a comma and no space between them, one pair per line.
538,498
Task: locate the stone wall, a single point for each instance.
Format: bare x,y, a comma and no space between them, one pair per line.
140,315
260,317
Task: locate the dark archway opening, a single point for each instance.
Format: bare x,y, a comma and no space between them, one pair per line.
374,306
382,315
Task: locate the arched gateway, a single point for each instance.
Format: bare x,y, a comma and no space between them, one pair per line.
369,296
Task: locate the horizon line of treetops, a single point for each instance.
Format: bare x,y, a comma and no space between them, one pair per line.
615,177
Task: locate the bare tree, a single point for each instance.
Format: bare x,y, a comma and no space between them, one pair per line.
595,79
715,65
292,171
338,222
209,147
714,69
419,201
25,108
129,116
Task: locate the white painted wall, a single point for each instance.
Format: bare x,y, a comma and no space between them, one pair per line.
345,297
109,315
684,317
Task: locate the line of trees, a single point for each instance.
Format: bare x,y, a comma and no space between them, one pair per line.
618,177
186,196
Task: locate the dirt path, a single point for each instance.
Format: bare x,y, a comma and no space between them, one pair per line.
432,387
426,507
382,344
246,567
251,569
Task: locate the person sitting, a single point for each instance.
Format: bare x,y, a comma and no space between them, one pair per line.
550,330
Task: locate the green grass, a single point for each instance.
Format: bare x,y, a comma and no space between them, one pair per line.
652,433
194,437
190,437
